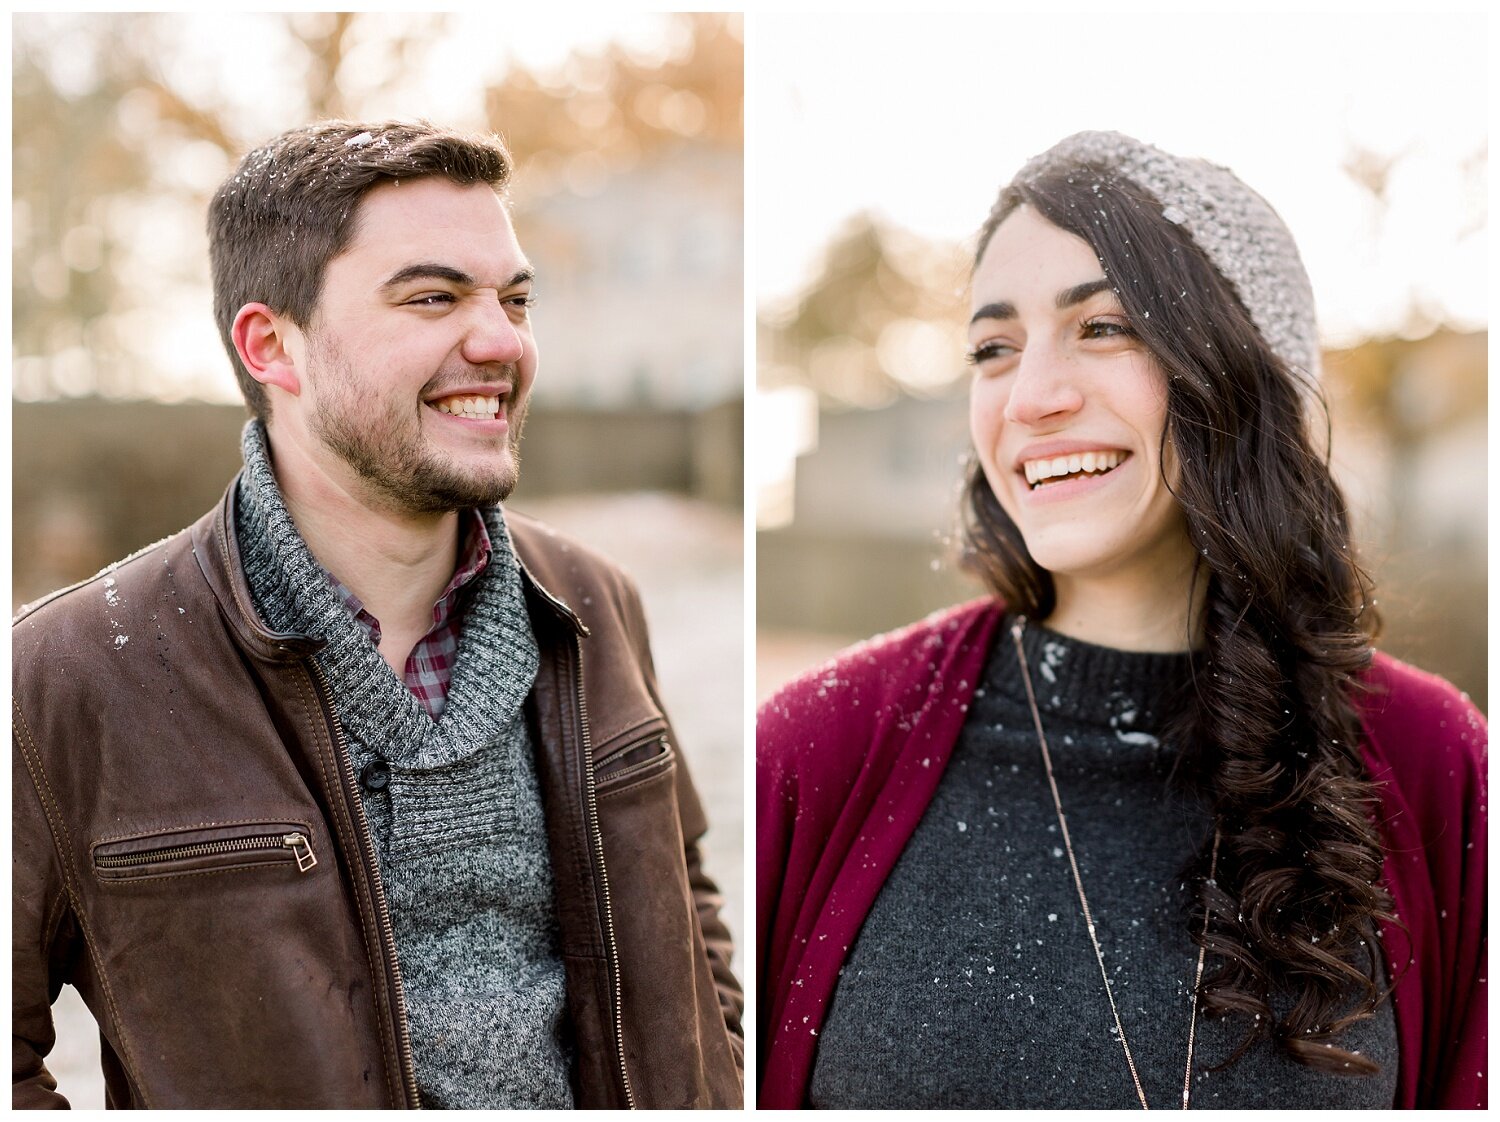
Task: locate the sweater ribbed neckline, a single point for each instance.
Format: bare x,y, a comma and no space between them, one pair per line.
497,653
1086,682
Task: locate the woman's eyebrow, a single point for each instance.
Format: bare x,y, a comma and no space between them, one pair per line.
1080,292
1001,310
1065,299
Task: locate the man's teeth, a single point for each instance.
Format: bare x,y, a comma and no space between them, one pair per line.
1062,466
472,406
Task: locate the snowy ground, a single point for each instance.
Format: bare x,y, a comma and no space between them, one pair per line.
686,557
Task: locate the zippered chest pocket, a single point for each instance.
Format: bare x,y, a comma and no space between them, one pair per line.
208,848
637,761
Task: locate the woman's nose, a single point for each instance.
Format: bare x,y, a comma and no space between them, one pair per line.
1045,387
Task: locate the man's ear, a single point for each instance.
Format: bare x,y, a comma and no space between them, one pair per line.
262,339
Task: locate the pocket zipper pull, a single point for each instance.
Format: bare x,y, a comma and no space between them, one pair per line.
301,850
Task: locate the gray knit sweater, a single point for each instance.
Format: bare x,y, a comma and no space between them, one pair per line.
454,809
973,982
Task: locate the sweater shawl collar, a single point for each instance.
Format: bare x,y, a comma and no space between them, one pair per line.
497,653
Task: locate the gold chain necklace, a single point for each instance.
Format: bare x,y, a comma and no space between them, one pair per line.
1016,631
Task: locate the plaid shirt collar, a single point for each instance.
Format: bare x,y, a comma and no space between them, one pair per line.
429,667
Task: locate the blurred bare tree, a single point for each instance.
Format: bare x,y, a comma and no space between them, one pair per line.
65,247
881,319
605,111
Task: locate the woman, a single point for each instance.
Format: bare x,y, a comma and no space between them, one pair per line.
1151,826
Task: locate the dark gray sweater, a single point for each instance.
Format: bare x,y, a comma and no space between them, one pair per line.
973,982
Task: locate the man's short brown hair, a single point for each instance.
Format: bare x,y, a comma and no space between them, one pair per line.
292,206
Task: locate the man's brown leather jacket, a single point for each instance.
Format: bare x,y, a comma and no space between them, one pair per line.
178,771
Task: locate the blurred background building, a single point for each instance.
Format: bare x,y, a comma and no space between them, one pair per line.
879,150
628,198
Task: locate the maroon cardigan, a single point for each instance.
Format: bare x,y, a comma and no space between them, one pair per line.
850,755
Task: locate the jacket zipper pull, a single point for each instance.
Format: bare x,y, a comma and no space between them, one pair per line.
302,850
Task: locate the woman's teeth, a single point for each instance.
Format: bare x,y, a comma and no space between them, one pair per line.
1060,467
483,408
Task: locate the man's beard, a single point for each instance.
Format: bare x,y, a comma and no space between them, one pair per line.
388,450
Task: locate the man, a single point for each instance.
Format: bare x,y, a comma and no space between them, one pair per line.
358,792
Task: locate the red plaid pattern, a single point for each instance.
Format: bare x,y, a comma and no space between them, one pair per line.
429,667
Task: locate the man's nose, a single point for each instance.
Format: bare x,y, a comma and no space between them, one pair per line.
493,337
1045,387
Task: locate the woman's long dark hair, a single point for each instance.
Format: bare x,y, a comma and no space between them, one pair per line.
1270,734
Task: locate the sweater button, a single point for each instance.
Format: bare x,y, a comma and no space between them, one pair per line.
375,776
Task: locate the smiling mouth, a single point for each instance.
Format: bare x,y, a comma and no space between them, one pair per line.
475,407
1055,469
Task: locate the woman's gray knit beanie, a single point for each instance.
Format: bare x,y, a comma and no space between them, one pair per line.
1235,228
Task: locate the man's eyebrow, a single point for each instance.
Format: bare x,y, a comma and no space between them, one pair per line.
431,270
1065,299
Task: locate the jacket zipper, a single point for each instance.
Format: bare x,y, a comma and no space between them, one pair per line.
591,799
383,912
597,835
367,851
297,843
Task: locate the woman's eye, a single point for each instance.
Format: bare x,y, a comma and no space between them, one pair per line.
1105,329
986,351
